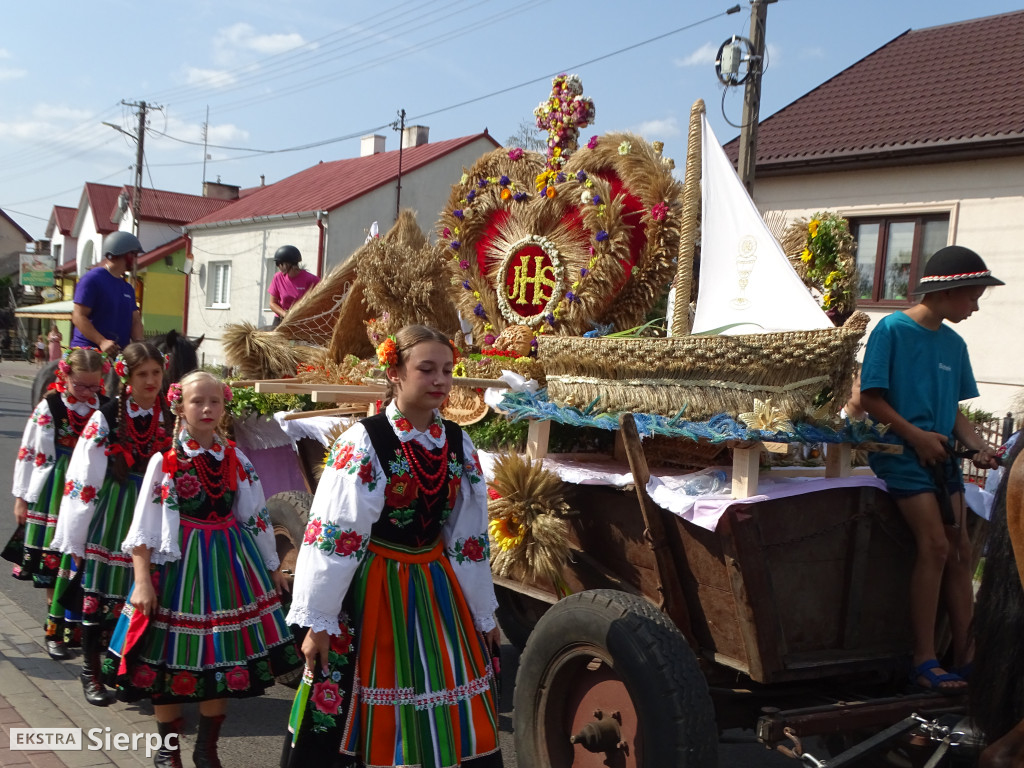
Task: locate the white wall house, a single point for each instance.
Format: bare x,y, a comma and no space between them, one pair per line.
918,152
325,211
92,223
63,245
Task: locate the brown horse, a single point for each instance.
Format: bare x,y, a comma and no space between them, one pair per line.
997,685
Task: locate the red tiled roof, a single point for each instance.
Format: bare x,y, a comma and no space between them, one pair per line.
62,218
160,251
327,186
173,207
942,89
103,201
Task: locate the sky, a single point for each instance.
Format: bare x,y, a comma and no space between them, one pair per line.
291,84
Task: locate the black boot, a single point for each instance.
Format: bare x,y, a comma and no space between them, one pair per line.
92,683
205,753
169,758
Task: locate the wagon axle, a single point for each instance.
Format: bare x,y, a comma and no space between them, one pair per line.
601,734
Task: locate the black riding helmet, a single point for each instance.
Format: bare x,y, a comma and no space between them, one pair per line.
287,254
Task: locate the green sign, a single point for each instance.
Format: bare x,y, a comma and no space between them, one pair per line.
37,269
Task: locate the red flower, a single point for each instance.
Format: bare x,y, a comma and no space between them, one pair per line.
45,419
23,452
237,679
50,560
435,430
192,445
493,494
401,491
312,532
453,490
90,430
69,486
343,456
165,491
143,676
183,684
659,211
326,697
404,425
473,550
366,472
261,523
90,605
88,493
116,609
341,643
40,459
348,542
188,486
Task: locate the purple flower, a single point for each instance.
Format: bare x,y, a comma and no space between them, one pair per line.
596,199
533,344
457,213
519,196
481,182
592,143
478,310
465,284
455,245
559,177
570,296
550,317
489,339
464,264
601,236
504,180
584,272
515,153
470,196
581,175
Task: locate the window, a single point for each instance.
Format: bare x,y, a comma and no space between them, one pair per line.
219,290
890,253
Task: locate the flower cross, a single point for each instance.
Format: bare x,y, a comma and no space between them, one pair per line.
563,115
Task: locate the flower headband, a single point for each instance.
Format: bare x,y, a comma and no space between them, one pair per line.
64,368
174,394
124,372
387,353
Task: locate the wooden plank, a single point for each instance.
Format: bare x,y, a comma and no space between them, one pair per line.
746,464
347,411
365,396
537,439
837,459
282,387
253,382
776,447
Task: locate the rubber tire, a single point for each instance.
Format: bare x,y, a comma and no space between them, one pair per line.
290,510
648,654
518,614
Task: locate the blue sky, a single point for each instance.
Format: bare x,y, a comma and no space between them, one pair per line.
276,76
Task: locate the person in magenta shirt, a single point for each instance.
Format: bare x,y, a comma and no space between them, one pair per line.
290,283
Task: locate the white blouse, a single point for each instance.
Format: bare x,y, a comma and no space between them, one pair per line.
38,452
349,500
86,474
156,519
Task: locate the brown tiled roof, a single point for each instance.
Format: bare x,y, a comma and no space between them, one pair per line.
327,186
24,234
173,207
62,219
103,201
948,89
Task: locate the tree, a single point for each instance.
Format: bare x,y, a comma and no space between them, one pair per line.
529,137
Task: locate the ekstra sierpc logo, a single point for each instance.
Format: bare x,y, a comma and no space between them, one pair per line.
95,739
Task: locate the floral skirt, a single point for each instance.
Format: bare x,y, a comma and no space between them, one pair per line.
409,682
38,561
219,631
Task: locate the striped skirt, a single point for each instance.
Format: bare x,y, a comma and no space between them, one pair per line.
409,681
219,631
38,561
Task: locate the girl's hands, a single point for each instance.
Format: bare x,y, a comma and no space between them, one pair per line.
144,597
20,511
280,581
315,646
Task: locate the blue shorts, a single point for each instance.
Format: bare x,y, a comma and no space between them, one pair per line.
953,487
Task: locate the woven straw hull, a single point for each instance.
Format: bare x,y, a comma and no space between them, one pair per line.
707,375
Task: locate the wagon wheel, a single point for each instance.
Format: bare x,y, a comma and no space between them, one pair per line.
518,614
289,512
607,680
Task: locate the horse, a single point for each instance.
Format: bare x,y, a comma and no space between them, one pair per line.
997,680
180,349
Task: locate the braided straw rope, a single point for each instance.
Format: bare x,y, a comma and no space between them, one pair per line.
690,224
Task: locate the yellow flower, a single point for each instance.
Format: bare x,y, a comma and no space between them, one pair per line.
767,417
832,277
506,532
805,256
826,300
813,227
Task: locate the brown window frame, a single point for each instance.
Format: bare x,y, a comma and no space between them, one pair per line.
916,257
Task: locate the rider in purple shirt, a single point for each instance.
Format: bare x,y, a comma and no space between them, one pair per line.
105,314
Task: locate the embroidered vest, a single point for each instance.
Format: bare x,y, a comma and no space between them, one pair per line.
64,432
140,453
411,517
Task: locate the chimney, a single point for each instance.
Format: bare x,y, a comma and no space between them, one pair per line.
372,144
218,191
415,136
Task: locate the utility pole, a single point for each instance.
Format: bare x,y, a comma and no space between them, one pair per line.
139,154
399,125
752,94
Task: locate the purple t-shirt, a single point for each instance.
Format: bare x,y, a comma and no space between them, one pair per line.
112,301
286,290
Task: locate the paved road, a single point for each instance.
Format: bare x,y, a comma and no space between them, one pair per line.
254,731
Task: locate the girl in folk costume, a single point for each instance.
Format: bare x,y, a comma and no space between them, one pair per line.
100,493
203,621
39,473
393,580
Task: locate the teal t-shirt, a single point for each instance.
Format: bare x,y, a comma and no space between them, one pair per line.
925,375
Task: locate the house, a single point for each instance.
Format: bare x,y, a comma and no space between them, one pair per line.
13,240
920,145
64,247
93,222
325,211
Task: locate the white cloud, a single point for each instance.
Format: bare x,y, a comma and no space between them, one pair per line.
214,78
60,113
225,134
229,42
703,55
12,74
4,53
659,129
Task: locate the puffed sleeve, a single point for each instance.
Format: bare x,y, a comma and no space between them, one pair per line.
36,456
466,542
251,511
85,476
348,501
156,519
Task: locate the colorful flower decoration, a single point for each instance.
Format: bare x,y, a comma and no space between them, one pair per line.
121,369
659,211
563,115
387,353
174,394
228,393
515,154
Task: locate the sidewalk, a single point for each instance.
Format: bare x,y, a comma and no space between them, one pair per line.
38,692
17,372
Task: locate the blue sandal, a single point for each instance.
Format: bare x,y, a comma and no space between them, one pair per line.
926,670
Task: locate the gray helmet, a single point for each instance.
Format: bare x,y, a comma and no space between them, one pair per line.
288,254
119,243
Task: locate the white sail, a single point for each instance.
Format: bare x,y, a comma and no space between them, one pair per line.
744,275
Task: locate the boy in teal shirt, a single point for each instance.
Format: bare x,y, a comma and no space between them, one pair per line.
916,371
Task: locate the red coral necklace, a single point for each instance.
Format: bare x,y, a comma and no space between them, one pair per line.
145,437
77,421
213,479
432,478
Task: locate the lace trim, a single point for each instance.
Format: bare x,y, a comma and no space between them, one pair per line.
163,550
315,620
447,697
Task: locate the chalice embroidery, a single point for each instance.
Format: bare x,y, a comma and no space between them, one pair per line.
746,255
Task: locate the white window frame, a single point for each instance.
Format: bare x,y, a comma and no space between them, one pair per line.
221,300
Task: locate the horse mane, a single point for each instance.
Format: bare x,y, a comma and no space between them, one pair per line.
183,355
997,680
